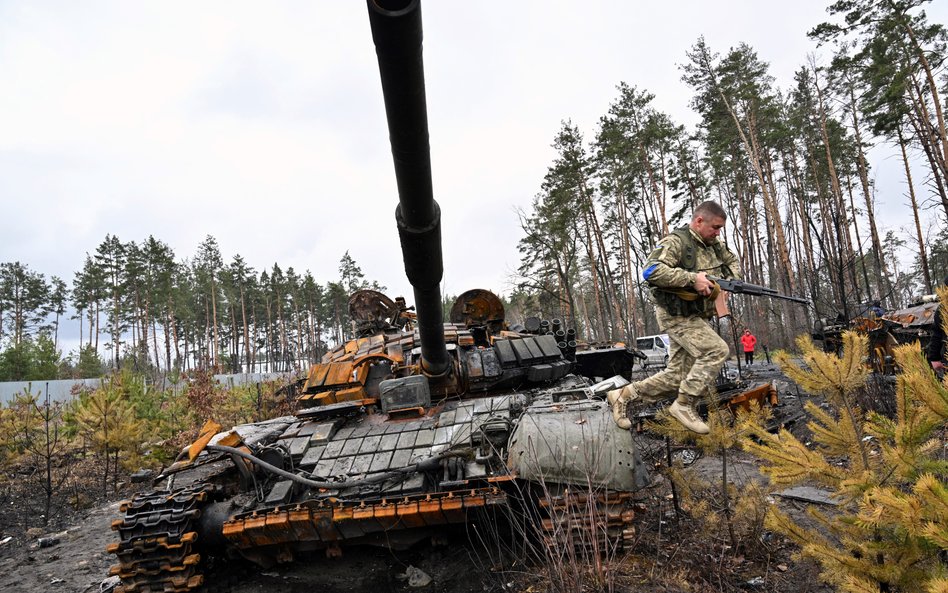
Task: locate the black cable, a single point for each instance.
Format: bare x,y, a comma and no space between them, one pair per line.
427,464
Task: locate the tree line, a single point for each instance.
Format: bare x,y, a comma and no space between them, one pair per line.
789,166
138,305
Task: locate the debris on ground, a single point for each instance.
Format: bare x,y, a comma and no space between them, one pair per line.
810,494
47,542
415,577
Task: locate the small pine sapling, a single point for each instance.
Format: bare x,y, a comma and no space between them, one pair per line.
890,531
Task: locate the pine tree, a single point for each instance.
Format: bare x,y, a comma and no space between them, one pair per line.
33,429
88,292
107,419
24,300
110,259
898,51
892,522
207,266
58,296
160,270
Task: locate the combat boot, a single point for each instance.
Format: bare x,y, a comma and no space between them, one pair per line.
689,418
619,401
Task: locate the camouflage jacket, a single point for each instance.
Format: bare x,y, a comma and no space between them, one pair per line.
665,268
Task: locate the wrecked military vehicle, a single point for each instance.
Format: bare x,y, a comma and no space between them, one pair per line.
414,425
886,330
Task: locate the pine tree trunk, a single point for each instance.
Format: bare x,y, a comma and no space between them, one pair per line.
862,256
658,197
247,347
300,335
929,141
770,205
603,257
828,239
586,321
801,206
154,340
281,331
115,321
627,272
174,331
142,320
846,245
590,252
269,336
923,257
235,339
882,274
96,327
214,347
933,89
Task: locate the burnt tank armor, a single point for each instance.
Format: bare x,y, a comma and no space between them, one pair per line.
414,425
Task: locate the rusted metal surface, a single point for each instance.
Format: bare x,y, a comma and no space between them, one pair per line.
913,317
886,330
327,522
760,395
208,431
591,524
156,552
479,307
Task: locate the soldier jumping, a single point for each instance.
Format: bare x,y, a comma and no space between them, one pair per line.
684,260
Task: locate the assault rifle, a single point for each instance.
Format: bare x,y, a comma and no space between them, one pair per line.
736,286
741,287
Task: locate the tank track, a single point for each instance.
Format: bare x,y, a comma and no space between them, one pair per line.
156,550
587,525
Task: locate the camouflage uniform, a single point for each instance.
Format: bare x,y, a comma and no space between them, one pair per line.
696,351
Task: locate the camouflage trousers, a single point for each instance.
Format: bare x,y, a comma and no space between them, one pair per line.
696,355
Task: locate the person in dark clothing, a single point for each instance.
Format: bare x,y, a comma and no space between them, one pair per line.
936,345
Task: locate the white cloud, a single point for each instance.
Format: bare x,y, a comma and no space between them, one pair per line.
263,125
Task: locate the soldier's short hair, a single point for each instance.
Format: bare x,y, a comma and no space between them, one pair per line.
709,209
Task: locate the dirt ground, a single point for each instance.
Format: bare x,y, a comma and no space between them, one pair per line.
669,555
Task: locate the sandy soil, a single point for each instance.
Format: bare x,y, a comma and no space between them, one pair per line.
77,563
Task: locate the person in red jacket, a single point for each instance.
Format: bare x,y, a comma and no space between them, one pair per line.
749,341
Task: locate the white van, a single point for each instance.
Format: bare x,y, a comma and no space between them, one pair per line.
655,348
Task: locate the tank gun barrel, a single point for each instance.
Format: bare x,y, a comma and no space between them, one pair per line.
397,33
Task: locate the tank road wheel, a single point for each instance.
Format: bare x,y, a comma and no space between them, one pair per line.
587,524
156,550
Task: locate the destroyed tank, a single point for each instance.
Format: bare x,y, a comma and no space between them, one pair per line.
414,425
885,329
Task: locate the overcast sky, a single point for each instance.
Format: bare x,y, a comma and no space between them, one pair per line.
262,124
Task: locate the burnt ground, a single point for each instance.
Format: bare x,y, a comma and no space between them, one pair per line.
671,553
